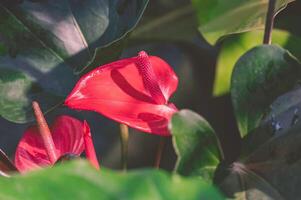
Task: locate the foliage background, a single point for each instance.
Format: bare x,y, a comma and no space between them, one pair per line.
195,62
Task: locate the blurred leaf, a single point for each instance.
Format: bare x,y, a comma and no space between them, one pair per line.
235,46
43,43
176,25
220,18
259,77
196,145
6,166
78,180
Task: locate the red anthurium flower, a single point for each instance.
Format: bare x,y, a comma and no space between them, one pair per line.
133,91
41,146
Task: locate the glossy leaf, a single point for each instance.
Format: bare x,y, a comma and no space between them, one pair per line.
220,18
79,181
46,43
259,77
67,134
236,45
270,171
196,145
121,92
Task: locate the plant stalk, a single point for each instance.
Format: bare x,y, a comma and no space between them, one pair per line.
45,132
124,138
160,151
269,23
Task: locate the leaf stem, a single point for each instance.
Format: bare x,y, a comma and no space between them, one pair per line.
124,138
160,151
269,23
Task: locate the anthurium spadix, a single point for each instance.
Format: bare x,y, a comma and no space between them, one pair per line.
41,146
133,91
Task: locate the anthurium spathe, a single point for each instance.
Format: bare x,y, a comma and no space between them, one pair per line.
133,91
41,146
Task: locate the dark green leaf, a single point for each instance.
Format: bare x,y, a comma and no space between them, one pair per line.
45,42
220,18
78,180
259,77
235,46
6,166
196,145
270,171
174,26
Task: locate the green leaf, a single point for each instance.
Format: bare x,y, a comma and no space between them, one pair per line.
196,145
79,181
259,77
235,46
269,166
271,171
219,18
48,43
174,26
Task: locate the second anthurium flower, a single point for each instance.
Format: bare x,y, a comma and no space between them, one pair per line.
41,146
133,91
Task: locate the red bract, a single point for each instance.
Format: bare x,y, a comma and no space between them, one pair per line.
133,91
41,147
67,135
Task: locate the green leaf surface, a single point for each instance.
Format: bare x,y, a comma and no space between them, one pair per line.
269,166
78,180
235,46
259,77
176,25
196,145
48,43
218,18
271,171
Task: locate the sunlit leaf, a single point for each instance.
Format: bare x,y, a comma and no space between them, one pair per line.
218,18
236,45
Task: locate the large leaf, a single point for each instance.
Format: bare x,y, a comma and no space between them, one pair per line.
218,18
259,77
272,170
44,44
235,46
77,180
174,26
196,145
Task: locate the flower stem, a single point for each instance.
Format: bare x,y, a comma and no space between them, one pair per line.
160,150
124,138
45,132
269,23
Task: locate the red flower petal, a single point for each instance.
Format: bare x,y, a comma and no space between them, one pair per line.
67,134
117,91
89,147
